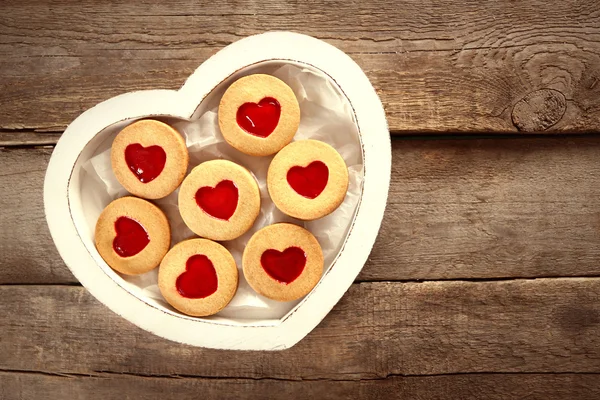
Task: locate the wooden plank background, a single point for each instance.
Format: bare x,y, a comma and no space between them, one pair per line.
482,386
484,282
457,209
439,66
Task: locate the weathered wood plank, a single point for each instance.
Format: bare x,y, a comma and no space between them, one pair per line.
457,209
490,209
438,66
471,386
27,253
378,329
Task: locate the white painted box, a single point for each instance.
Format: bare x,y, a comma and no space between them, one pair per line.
329,85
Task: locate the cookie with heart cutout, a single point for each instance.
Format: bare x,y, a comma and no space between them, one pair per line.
132,235
259,114
308,179
198,277
283,262
219,200
149,158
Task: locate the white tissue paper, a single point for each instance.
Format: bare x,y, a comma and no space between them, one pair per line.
326,115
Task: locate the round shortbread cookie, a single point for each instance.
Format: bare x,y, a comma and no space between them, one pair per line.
149,158
132,235
308,179
283,262
198,277
259,114
219,200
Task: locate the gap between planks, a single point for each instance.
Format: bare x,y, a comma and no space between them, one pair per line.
359,280
108,374
32,138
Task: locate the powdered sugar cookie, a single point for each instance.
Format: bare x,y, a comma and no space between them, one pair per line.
132,235
219,200
308,179
149,158
283,262
198,277
259,114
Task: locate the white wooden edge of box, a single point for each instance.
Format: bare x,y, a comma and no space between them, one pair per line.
182,103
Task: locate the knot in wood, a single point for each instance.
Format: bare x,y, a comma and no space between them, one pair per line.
539,110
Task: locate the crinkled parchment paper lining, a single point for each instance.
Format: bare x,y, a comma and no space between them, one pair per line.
326,115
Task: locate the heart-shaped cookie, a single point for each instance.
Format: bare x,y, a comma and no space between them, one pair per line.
198,277
283,261
308,179
132,235
72,205
149,158
219,200
259,114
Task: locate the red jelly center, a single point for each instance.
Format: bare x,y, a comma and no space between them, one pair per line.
259,119
199,279
309,181
146,163
219,202
284,266
131,237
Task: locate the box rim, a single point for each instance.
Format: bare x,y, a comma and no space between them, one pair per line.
182,104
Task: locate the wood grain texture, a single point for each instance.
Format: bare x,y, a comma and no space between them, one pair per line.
27,253
490,209
457,209
438,66
377,330
101,386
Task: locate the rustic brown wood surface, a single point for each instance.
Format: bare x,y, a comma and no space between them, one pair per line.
379,329
504,230
438,66
457,209
472,386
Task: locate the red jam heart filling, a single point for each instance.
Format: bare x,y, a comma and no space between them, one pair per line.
131,237
146,163
220,201
309,181
199,280
259,119
284,266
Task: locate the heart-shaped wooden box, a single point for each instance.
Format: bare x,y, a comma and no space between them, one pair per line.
66,199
